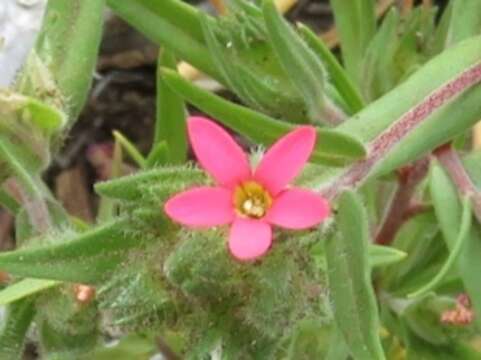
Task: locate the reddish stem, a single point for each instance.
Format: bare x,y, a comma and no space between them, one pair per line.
415,209
450,161
385,142
409,178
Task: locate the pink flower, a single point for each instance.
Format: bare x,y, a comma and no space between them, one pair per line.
250,200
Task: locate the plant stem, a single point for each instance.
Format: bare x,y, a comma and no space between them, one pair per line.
409,177
380,146
450,161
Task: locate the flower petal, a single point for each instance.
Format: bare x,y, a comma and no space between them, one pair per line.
249,239
285,159
201,207
298,209
217,152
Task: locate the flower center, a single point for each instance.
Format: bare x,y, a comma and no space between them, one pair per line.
251,200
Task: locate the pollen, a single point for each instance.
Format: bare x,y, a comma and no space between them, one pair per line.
251,200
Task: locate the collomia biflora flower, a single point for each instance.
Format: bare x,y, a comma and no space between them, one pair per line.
250,200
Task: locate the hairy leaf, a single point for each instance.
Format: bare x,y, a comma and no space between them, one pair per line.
349,274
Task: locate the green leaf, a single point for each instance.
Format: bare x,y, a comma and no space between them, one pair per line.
250,69
337,347
453,255
68,44
172,24
24,288
355,23
170,124
128,348
85,258
130,149
23,165
131,187
449,213
337,75
31,111
379,75
383,255
465,21
439,41
350,285
420,238
332,147
422,317
14,329
418,348
303,68
310,339
158,155
384,112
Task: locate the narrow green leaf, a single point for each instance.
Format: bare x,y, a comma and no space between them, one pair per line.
169,23
22,165
379,73
170,124
84,258
355,23
453,255
465,21
350,284
158,155
177,12
248,66
68,44
449,213
14,329
108,208
332,147
385,111
24,288
303,68
439,41
384,255
130,149
130,187
337,75
421,239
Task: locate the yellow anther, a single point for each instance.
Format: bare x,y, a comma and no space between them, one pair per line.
251,200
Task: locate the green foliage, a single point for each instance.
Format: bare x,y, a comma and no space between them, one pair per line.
356,24
24,288
67,47
409,83
68,328
334,148
90,255
15,325
170,120
448,211
305,70
354,301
